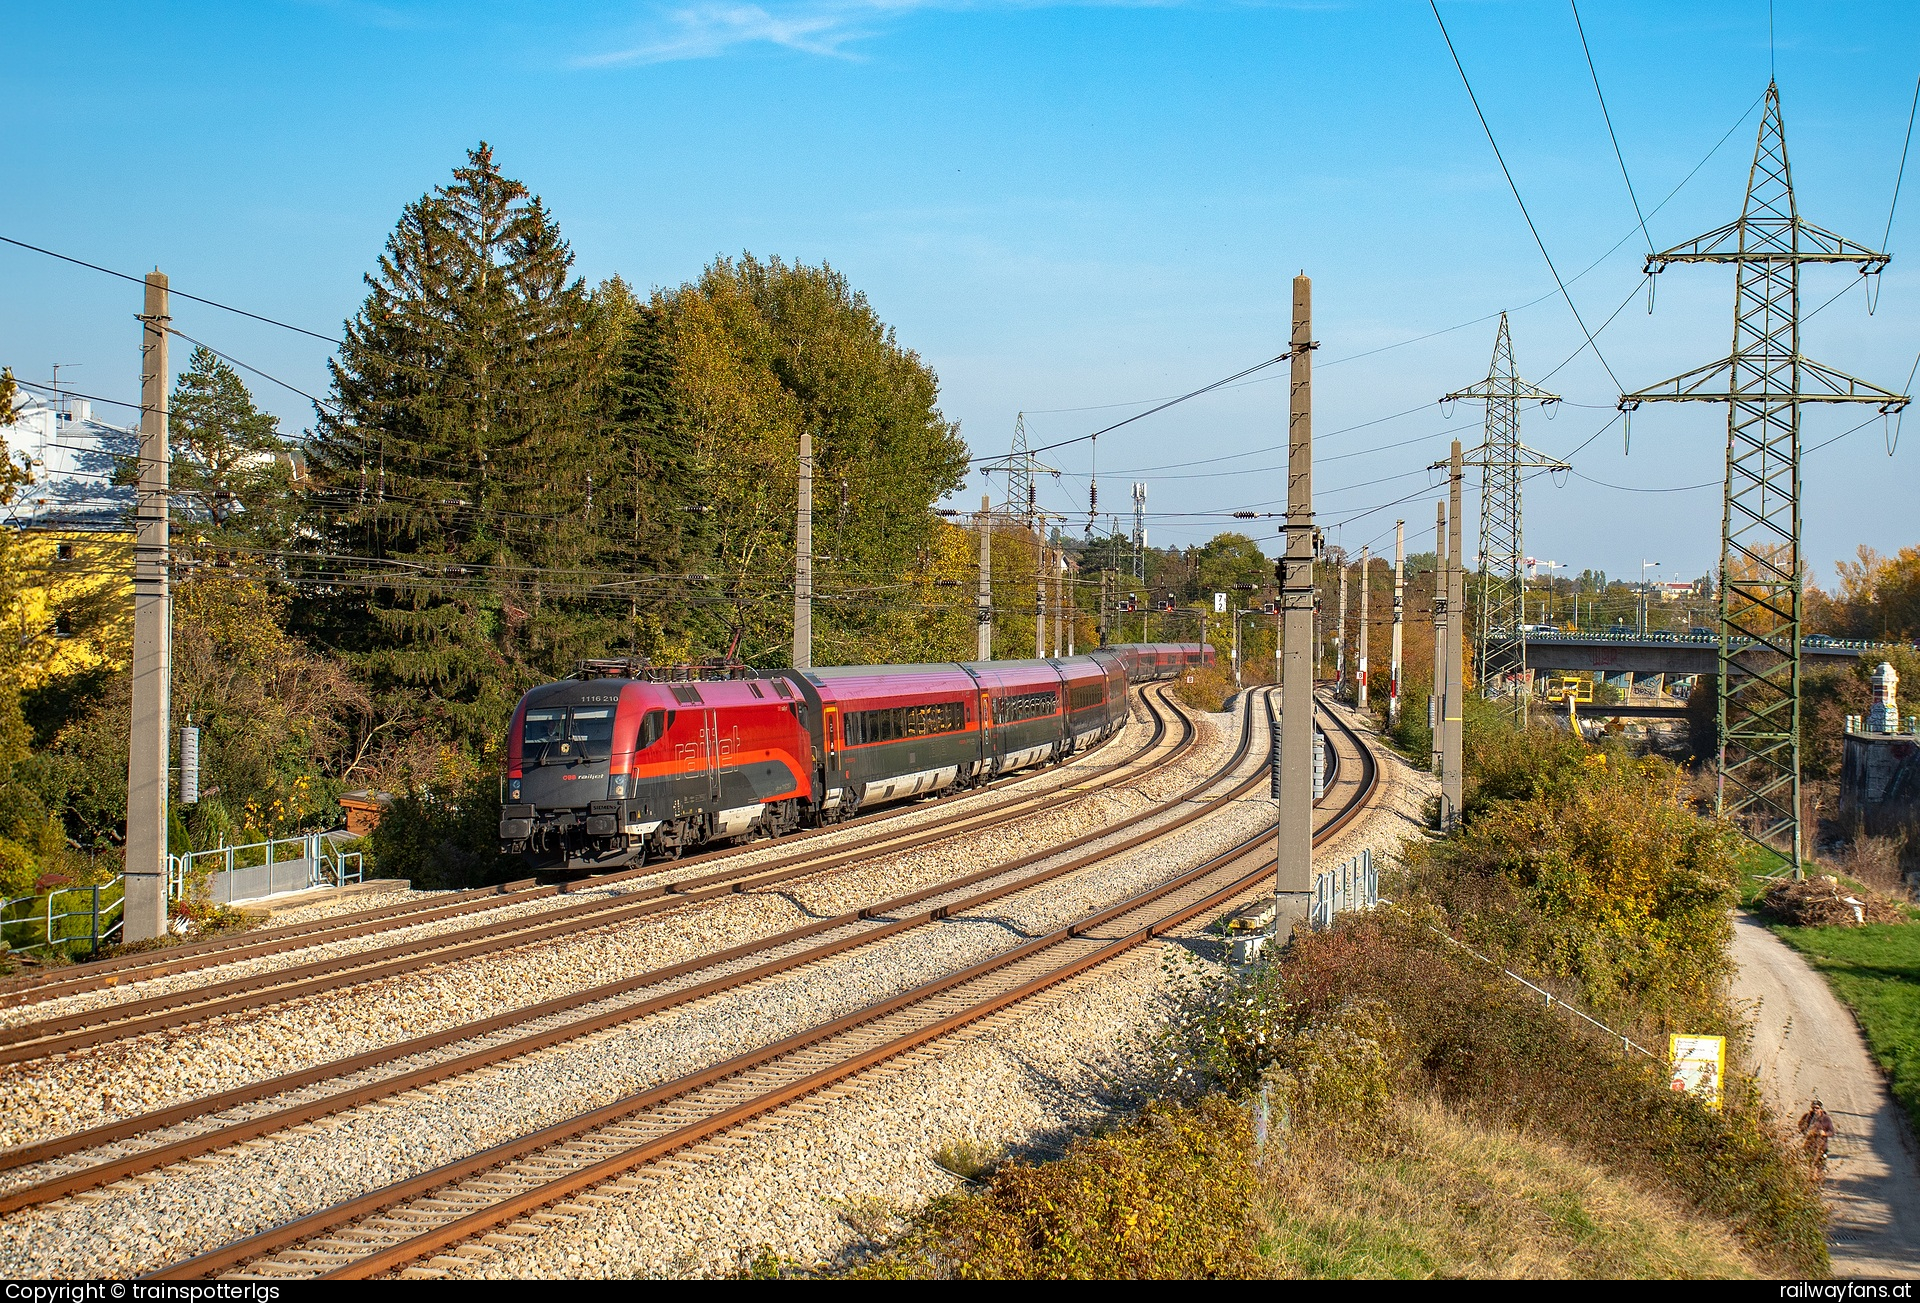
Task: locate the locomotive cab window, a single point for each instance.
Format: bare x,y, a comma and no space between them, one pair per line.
560,735
542,727
653,726
590,730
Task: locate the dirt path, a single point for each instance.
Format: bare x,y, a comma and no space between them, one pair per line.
1805,1043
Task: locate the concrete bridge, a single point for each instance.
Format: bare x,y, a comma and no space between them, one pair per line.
1676,654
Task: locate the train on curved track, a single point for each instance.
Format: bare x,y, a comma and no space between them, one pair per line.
626,762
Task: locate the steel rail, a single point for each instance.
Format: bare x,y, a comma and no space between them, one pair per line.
548,1190
45,1037
306,1111
194,955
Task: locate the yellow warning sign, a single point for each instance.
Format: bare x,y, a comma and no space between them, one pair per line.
1699,1065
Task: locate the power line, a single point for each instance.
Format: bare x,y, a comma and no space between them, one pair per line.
75,393
141,280
1171,402
1638,488
250,367
1506,172
1608,119
1900,175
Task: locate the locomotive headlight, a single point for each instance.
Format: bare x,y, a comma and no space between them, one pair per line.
513,790
617,787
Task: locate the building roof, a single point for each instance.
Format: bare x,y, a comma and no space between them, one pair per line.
72,458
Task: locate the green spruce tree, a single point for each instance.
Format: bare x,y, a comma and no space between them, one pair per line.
229,463
452,472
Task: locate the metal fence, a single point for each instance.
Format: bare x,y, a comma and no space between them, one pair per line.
1351,885
1627,1043
266,868
1668,637
64,916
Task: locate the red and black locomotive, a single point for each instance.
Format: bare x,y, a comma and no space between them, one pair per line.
627,762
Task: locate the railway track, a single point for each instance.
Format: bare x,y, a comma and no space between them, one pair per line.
386,1229
193,956
121,1021
858,928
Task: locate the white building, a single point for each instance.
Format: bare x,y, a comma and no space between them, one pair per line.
74,459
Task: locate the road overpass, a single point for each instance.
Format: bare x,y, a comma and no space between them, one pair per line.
1665,708
1677,654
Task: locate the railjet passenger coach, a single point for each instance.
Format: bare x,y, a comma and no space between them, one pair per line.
626,762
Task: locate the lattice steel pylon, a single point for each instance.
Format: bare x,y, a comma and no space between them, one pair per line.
1502,657
1020,487
1020,466
1763,382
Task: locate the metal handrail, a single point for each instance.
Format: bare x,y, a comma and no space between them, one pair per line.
95,911
1668,638
328,865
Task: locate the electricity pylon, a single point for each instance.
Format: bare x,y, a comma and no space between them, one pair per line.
1023,508
1020,467
1501,457
1763,382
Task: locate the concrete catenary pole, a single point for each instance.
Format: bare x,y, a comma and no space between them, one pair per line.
1340,637
1073,613
1399,606
984,600
1293,884
1360,652
1059,566
1436,707
148,751
1039,592
803,561
1452,777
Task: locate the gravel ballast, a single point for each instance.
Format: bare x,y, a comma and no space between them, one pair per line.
144,1224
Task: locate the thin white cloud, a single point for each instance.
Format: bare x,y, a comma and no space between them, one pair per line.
708,30
825,27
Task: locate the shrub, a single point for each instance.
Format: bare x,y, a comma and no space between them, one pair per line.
1203,687
440,842
1169,1196
1221,1029
1589,868
1411,733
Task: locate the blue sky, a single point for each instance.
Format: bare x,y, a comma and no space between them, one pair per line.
1060,206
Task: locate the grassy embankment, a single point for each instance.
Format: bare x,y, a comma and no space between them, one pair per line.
1378,1102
